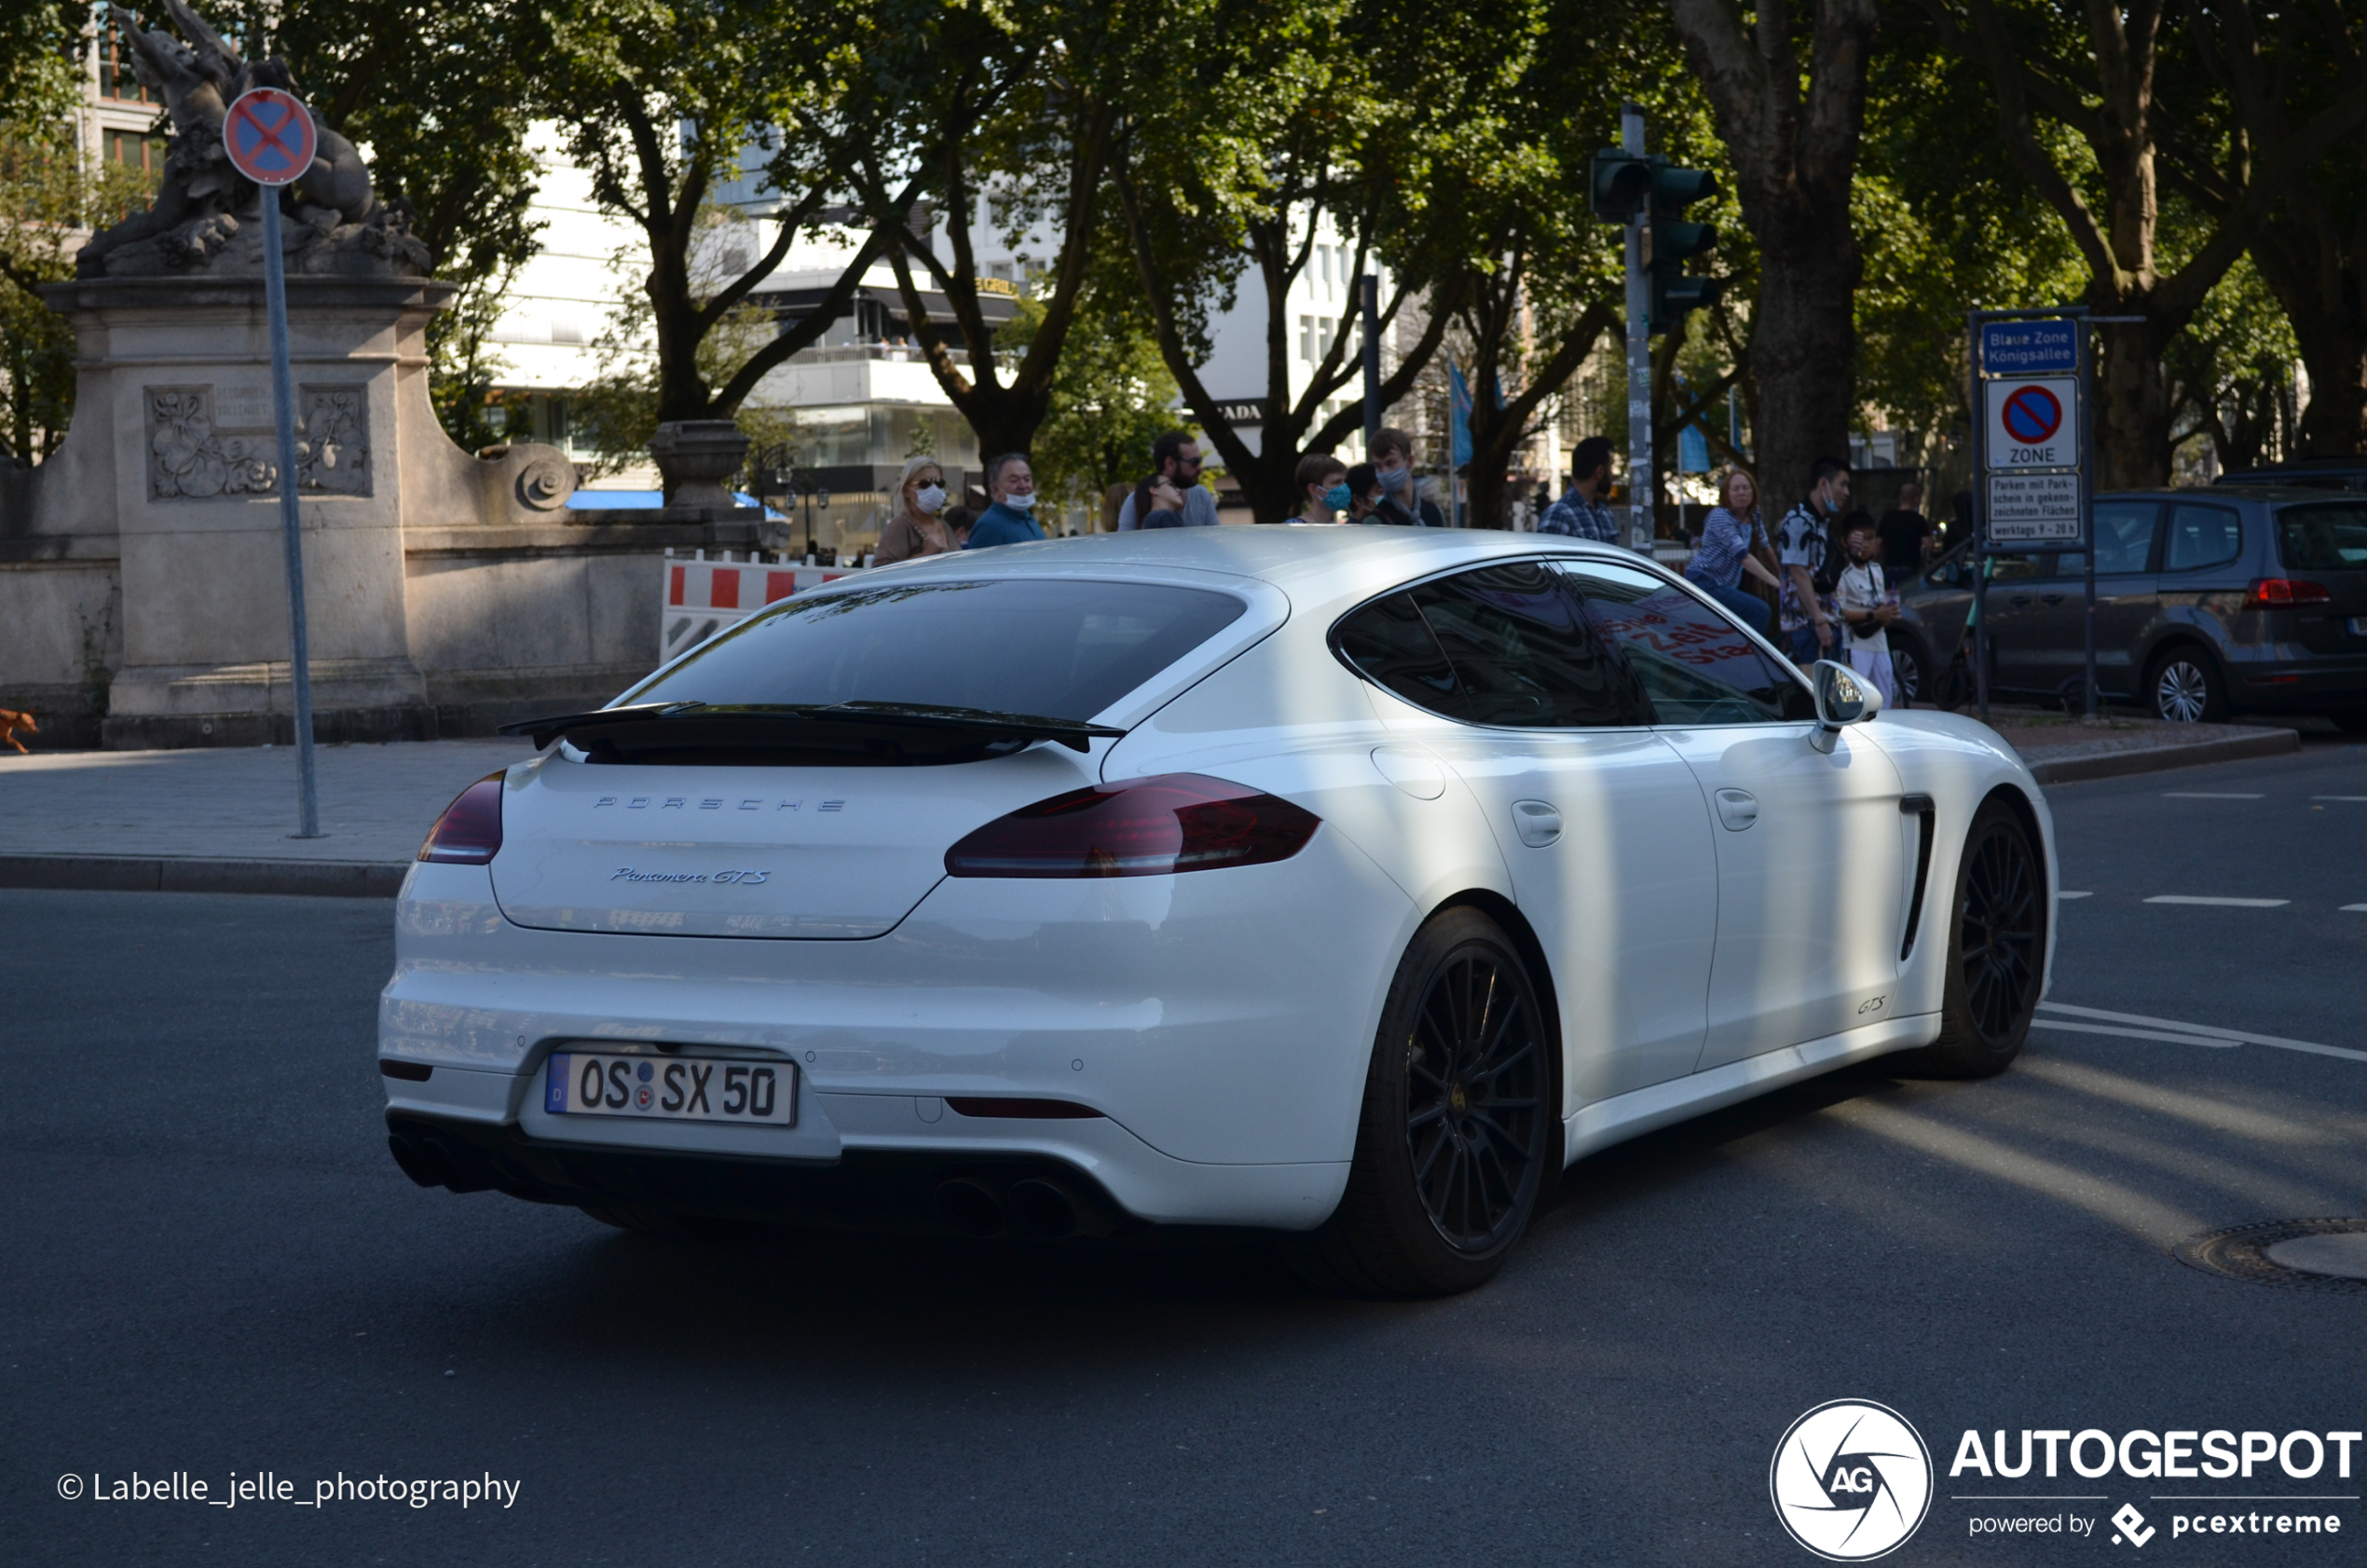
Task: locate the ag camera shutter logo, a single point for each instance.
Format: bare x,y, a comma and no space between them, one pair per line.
1851,1480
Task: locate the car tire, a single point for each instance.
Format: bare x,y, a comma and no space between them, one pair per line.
1459,1135
1996,949
2350,721
2183,685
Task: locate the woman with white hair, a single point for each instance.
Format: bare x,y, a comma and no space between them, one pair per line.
917,528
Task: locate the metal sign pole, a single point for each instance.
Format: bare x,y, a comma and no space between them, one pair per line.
275,301
2087,493
1368,289
1980,515
1643,490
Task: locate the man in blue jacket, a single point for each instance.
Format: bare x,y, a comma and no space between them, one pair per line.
1011,484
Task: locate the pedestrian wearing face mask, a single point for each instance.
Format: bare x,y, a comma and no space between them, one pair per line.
1401,500
918,528
1322,488
1011,484
1365,498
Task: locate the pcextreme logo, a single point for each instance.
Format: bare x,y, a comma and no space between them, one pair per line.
1850,1481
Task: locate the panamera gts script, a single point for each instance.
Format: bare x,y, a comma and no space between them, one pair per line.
742,879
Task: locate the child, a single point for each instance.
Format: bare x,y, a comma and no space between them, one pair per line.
1863,594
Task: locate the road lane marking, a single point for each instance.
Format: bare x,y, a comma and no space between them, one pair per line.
2339,797
2206,1032
2220,902
2074,895
2136,1034
2207,794
2354,909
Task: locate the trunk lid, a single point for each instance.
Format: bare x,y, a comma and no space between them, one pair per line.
828,853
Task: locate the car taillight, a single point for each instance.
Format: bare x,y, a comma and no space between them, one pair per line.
1145,827
2285,593
469,833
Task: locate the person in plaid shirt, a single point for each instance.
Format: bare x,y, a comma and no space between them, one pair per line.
1581,512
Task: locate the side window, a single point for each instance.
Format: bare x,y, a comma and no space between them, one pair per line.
1697,666
1391,644
2202,536
1523,650
2124,540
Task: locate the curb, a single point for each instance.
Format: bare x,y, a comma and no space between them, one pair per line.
2153,759
107,873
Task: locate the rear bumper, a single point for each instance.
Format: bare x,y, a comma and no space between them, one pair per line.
2313,684
1100,1177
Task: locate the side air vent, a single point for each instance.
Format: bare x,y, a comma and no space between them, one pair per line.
1921,808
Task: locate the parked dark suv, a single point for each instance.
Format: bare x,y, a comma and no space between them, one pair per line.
2207,602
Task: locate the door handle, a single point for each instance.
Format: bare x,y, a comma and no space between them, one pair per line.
2021,598
1538,824
2050,598
1737,808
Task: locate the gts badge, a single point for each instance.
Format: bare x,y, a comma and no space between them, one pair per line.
1872,1008
742,879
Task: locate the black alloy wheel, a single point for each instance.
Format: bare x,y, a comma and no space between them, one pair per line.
1996,949
1473,1067
1461,1131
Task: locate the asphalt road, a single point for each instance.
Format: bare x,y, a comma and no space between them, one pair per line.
215,1268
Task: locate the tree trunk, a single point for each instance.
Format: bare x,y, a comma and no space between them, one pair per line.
1794,160
1803,354
2322,285
2132,413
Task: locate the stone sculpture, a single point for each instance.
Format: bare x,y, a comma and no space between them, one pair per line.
205,220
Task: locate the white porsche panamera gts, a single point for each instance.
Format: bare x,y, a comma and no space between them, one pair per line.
1346,882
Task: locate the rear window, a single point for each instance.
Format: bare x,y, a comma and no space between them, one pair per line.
1055,649
2323,538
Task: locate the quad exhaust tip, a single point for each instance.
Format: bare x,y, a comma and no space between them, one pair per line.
1037,1208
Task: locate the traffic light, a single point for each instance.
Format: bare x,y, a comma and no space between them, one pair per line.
1617,184
1674,291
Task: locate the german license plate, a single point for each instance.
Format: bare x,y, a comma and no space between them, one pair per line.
671,1088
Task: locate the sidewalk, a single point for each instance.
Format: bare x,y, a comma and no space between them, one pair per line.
220,821
2063,750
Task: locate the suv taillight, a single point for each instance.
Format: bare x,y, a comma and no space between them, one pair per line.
1145,827
469,833
2285,593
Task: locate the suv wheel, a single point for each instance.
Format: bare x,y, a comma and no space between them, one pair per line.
2187,687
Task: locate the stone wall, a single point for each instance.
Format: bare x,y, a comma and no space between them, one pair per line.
142,597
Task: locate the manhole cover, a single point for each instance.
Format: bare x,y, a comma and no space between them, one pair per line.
2304,1254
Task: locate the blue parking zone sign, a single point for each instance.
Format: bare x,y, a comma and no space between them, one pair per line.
2030,349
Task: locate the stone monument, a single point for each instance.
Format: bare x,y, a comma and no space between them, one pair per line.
141,565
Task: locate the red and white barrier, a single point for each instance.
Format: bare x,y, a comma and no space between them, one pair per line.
704,597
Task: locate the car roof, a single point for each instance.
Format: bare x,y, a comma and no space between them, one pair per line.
2277,493
1284,556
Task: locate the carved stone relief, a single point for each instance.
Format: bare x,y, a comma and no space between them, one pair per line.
201,445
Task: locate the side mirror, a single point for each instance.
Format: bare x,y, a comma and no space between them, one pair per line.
1841,699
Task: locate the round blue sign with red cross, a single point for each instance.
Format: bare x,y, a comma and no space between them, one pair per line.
2032,415
269,136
